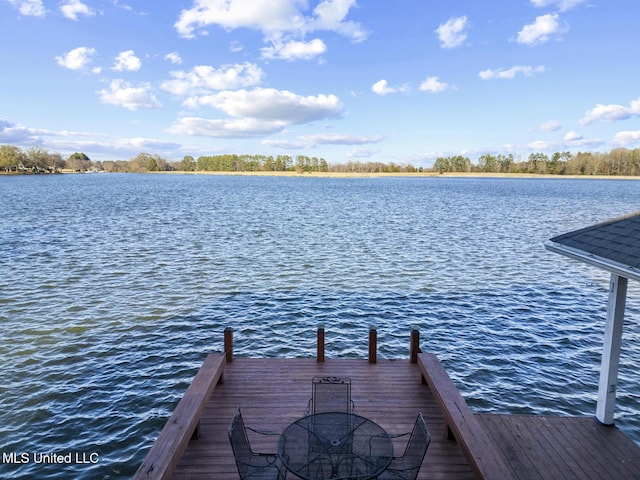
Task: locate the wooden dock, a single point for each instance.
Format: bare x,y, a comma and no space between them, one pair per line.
274,392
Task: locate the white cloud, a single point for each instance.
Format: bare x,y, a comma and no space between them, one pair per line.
294,50
541,30
274,18
570,140
234,128
562,5
145,144
127,61
510,73
72,8
340,139
361,153
451,33
231,14
541,145
174,58
205,79
286,144
550,126
627,138
381,87
77,58
573,137
268,104
66,142
128,8
121,148
20,135
123,6
311,141
585,143
611,112
11,133
29,8
433,85
330,15
124,94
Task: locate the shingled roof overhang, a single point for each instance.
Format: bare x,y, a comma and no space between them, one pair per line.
613,245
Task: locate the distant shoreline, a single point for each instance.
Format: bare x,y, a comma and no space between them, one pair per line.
405,174
368,174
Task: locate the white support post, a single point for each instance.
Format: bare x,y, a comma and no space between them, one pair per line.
611,351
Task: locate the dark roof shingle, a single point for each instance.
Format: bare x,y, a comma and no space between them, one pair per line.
617,240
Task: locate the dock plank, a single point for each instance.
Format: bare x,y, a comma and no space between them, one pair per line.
564,448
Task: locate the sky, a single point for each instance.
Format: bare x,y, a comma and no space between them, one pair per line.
403,81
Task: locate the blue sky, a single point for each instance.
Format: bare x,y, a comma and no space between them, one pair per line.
401,81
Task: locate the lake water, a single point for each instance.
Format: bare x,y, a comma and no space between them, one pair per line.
113,288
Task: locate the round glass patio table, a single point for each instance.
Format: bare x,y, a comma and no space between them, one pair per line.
335,446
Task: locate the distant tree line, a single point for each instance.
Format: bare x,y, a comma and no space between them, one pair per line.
373,167
619,161
255,163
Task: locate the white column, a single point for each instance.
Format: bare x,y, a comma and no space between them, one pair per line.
611,351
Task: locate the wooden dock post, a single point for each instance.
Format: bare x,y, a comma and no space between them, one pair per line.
228,344
414,347
373,344
320,344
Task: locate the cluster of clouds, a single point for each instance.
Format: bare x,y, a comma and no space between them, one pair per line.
234,90
599,113
550,26
454,33
14,134
613,113
80,58
120,92
71,9
510,73
570,140
430,84
291,31
433,84
258,111
285,24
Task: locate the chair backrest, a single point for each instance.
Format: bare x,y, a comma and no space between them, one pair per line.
331,394
240,443
416,448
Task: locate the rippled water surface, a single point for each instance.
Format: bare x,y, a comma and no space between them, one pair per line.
113,288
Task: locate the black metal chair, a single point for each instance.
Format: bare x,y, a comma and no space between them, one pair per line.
330,394
408,465
252,465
